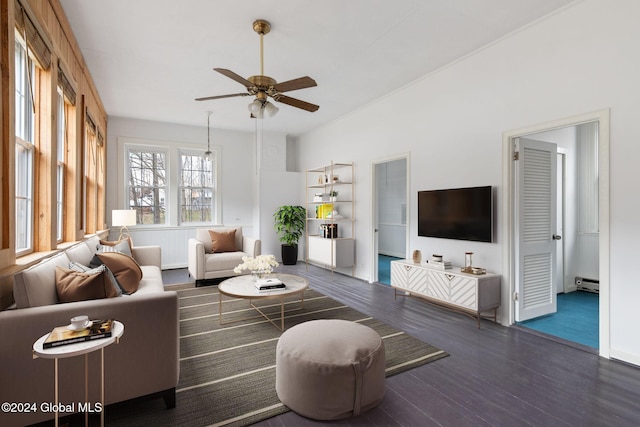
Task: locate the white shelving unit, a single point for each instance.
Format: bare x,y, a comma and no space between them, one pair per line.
334,248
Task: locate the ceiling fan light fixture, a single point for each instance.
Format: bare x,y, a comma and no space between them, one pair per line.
271,109
255,106
259,114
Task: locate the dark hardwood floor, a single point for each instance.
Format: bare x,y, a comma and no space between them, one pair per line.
494,376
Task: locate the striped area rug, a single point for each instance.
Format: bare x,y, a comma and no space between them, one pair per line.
227,372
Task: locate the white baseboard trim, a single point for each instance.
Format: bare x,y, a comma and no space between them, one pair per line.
173,266
633,359
397,255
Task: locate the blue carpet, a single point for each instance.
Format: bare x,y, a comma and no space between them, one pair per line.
576,319
384,268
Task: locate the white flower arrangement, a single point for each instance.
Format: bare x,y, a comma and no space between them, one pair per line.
261,264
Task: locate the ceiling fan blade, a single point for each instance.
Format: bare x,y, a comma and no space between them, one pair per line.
295,84
233,76
297,103
222,96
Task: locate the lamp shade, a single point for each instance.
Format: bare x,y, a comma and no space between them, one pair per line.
271,109
255,106
259,114
123,218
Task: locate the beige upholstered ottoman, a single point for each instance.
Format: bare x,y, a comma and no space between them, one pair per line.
330,369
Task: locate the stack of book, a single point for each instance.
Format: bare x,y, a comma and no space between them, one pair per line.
442,265
64,335
269,284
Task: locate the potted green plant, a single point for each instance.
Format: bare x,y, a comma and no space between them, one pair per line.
289,224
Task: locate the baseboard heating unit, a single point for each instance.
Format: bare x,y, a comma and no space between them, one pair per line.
589,285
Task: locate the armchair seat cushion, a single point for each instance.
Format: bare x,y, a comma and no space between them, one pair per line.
223,260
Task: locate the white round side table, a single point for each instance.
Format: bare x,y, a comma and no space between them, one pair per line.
77,349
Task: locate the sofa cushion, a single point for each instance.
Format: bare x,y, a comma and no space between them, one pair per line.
223,241
123,246
125,268
151,280
80,253
74,286
222,261
85,269
202,234
93,243
36,286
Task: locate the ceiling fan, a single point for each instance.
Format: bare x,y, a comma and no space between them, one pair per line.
263,87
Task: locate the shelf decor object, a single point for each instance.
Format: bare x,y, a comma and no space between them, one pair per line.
468,267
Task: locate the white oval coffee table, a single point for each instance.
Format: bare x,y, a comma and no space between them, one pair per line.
243,287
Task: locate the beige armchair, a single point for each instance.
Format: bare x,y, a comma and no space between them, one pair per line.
205,264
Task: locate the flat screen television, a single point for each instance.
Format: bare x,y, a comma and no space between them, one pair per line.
458,213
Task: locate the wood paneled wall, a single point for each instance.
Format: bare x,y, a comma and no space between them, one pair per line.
48,16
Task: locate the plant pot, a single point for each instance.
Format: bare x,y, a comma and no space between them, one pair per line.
289,254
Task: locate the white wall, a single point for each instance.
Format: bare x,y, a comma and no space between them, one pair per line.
276,187
581,59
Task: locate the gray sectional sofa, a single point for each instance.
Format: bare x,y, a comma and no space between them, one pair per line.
144,363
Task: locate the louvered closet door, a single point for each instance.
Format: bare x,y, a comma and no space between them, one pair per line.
536,225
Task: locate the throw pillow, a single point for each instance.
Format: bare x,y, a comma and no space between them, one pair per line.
110,277
123,246
223,241
127,271
74,286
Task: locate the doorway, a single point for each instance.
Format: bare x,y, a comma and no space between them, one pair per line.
562,309
598,219
390,215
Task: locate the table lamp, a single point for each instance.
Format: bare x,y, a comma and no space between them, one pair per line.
123,218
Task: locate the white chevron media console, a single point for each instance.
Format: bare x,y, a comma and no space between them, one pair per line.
470,294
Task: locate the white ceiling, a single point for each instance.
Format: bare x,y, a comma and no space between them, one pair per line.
150,58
